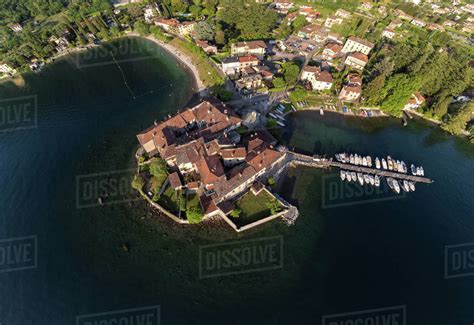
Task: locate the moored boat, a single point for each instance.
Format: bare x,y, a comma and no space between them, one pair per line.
377,163
390,183
412,186
384,164
406,187
413,169
371,179
418,171
404,167
366,179
360,178
369,161
354,176
377,180
398,166
343,175
351,159
396,186
364,161
390,163
422,171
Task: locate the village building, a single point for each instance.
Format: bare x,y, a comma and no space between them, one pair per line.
356,60
332,51
176,27
388,33
208,48
357,44
396,23
415,101
417,22
61,43
257,48
309,13
197,142
150,12
343,13
352,90
313,32
234,65
449,23
283,6
320,80
402,15
249,82
366,6
333,20
16,27
6,70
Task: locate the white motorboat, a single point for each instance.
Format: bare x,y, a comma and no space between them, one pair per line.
360,178
422,171
354,176
396,186
377,180
412,186
413,169
377,163
343,175
369,161
406,187
371,179
366,179
351,159
384,164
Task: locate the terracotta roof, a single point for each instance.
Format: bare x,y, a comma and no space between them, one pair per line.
325,76
312,69
359,56
210,169
354,78
248,58
334,47
236,176
256,139
175,181
234,153
252,44
207,204
262,159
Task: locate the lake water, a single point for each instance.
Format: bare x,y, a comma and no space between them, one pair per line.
349,250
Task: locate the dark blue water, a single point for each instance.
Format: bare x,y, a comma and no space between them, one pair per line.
337,259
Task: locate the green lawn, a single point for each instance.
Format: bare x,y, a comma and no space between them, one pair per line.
170,200
193,200
253,208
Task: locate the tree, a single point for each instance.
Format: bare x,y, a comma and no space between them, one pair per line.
274,206
141,28
456,124
195,10
194,215
236,213
278,82
205,31
291,73
299,22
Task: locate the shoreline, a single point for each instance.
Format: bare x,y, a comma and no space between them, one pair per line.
182,58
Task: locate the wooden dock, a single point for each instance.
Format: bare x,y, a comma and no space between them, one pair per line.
311,161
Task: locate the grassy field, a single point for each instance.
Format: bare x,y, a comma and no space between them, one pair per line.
170,200
207,71
254,207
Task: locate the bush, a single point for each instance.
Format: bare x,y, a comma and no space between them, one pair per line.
274,206
158,167
236,213
271,182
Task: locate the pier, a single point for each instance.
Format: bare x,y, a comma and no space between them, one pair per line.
321,163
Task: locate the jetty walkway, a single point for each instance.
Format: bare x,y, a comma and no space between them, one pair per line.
321,163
